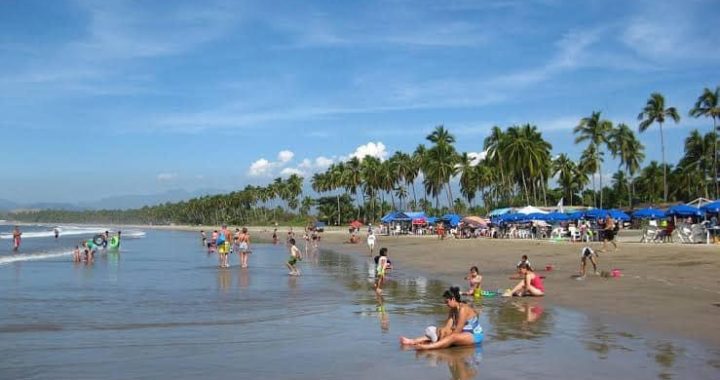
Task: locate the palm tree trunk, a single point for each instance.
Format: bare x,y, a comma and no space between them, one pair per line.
527,196
544,192
414,195
629,182
715,173
338,202
451,204
662,148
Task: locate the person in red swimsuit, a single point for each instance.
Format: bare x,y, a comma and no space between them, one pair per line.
530,285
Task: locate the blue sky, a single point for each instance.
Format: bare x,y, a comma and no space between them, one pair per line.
102,98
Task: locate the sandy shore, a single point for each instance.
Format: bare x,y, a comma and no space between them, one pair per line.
669,288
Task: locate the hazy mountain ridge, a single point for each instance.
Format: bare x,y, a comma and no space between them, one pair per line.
121,202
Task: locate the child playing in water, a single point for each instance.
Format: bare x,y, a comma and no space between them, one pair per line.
382,266
295,255
530,285
76,254
475,283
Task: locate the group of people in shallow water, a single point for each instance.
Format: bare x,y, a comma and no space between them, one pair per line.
86,250
462,327
226,242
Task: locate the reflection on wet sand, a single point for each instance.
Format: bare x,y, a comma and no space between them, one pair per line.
463,362
224,279
524,318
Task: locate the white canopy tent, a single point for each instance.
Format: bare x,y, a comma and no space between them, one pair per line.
531,210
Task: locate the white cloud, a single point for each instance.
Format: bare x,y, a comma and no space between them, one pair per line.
476,157
286,172
285,156
323,162
164,177
371,149
260,168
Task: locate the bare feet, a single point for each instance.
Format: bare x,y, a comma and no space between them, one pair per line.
406,341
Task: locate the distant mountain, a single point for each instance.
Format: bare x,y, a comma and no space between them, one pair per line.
122,202
6,205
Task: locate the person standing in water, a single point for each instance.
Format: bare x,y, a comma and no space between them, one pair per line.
203,237
244,247
371,241
295,255
56,232
17,238
380,268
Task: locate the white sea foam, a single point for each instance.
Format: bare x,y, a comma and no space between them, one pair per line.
75,231
4,260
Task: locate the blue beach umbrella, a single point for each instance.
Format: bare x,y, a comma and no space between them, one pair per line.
577,215
537,216
556,217
619,215
649,213
711,207
596,213
683,210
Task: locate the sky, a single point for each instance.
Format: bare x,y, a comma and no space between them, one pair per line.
107,98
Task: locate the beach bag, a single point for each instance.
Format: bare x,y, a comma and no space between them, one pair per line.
220,239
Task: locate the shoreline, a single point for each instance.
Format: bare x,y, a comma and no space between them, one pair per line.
665,288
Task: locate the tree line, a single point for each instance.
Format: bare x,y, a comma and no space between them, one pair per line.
517,170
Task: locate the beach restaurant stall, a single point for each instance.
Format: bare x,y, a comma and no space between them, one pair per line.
395,223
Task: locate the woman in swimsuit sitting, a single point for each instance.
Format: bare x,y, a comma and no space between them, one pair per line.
530,285
462,327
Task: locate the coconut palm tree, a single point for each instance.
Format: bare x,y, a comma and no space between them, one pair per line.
588,166
418,162
627,147
697,160
595,131
566,170
493,146
441,160
468,185
655,112
707,105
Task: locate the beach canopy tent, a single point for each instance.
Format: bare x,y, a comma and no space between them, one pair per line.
595,213
649,213
415,214
713,207
512,217
577,215
619,215
556,217
432,220
531,210
420,221
474,221
395,216
500,211
452,219
356,224
537,216
683,211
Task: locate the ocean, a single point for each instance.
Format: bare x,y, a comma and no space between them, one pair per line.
160,308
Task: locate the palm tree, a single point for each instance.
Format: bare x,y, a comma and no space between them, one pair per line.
566,170
588,166
441,159
468,182
697,160
418,162
625,145
493,146
595,131
707,105
655,112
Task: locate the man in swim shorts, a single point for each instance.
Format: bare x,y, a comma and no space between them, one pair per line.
295,255
609,233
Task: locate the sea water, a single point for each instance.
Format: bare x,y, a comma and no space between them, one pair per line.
160,308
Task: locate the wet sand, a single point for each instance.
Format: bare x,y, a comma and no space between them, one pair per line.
668,288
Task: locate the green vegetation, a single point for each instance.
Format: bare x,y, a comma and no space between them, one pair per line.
516,171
